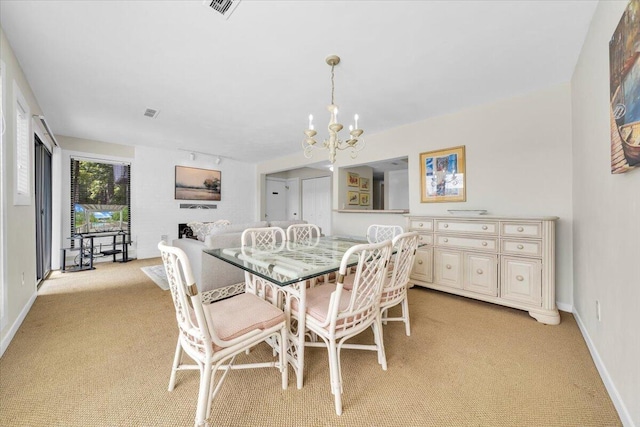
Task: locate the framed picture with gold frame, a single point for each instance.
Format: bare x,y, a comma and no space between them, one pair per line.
442,175
353,179
364,184
353,197
364,199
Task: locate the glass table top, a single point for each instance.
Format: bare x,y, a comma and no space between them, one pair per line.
290,262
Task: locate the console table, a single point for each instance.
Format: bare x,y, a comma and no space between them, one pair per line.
504,260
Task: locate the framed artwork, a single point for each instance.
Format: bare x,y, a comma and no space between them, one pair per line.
197,184
442,175
353,179
353,197
624,91
364,199
364,184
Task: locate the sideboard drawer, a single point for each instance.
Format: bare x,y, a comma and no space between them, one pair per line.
425,239
521,247
476,227
488,244
521,229
422,224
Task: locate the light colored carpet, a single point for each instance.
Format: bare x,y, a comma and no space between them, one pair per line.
158,275
96,350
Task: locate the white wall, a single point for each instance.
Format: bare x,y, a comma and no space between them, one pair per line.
156,212
518,163
606,225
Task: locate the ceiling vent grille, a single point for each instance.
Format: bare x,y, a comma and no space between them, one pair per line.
223,7
150,112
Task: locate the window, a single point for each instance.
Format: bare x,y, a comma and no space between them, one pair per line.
100,196
22,195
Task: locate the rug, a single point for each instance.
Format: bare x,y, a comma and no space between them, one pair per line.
158,275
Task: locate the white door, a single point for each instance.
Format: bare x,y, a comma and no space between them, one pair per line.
316,202
293,198
276,200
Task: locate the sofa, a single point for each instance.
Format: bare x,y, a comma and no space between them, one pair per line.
209,272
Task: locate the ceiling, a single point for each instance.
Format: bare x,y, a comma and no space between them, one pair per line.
244,87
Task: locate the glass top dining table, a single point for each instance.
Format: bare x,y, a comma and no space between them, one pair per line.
290,262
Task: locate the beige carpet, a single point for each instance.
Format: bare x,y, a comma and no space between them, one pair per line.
96,350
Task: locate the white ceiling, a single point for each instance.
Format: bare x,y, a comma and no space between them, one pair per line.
243,87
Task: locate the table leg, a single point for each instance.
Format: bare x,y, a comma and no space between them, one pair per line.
297,332
90,253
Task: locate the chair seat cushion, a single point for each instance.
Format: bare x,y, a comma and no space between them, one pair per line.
238,315
318,299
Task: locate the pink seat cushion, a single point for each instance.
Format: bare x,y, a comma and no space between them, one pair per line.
236,316
318,299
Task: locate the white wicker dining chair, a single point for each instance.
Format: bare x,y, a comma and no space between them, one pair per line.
213,334
268,239
264,237
303,233
394,291
378,233
335,314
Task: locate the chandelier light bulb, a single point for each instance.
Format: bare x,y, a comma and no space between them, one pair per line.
311,121
355,118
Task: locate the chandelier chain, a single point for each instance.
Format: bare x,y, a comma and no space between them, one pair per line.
332,84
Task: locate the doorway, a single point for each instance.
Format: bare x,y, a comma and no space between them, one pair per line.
316,203
43,190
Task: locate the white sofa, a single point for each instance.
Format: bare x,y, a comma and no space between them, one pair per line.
211,273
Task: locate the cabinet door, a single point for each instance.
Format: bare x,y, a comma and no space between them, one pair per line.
521,280
423,265
481,273
448,268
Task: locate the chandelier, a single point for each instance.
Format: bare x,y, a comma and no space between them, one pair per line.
334,143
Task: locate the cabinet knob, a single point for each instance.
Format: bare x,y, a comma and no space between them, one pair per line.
445,240
446,226
520,229
479,271
484,227
484,243
448,266
420,261
520,246
420,225
519,278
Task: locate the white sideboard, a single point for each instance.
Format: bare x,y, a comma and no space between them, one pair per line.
503,260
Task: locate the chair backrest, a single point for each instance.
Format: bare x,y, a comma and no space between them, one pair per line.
364,302
378,233
192,324
405,246
264,237
303,233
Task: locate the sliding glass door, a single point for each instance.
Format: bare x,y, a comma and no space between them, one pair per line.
43,209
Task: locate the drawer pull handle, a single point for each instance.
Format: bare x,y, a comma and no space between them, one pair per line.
420,261
448,266
519,278
420,225
520,229
446,225
484,227
479,271
445,240
484,243
520,247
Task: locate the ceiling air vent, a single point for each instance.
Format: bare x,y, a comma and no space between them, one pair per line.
223,7
150,112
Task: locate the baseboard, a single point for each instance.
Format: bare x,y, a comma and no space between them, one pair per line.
16,325
623,413
564,307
